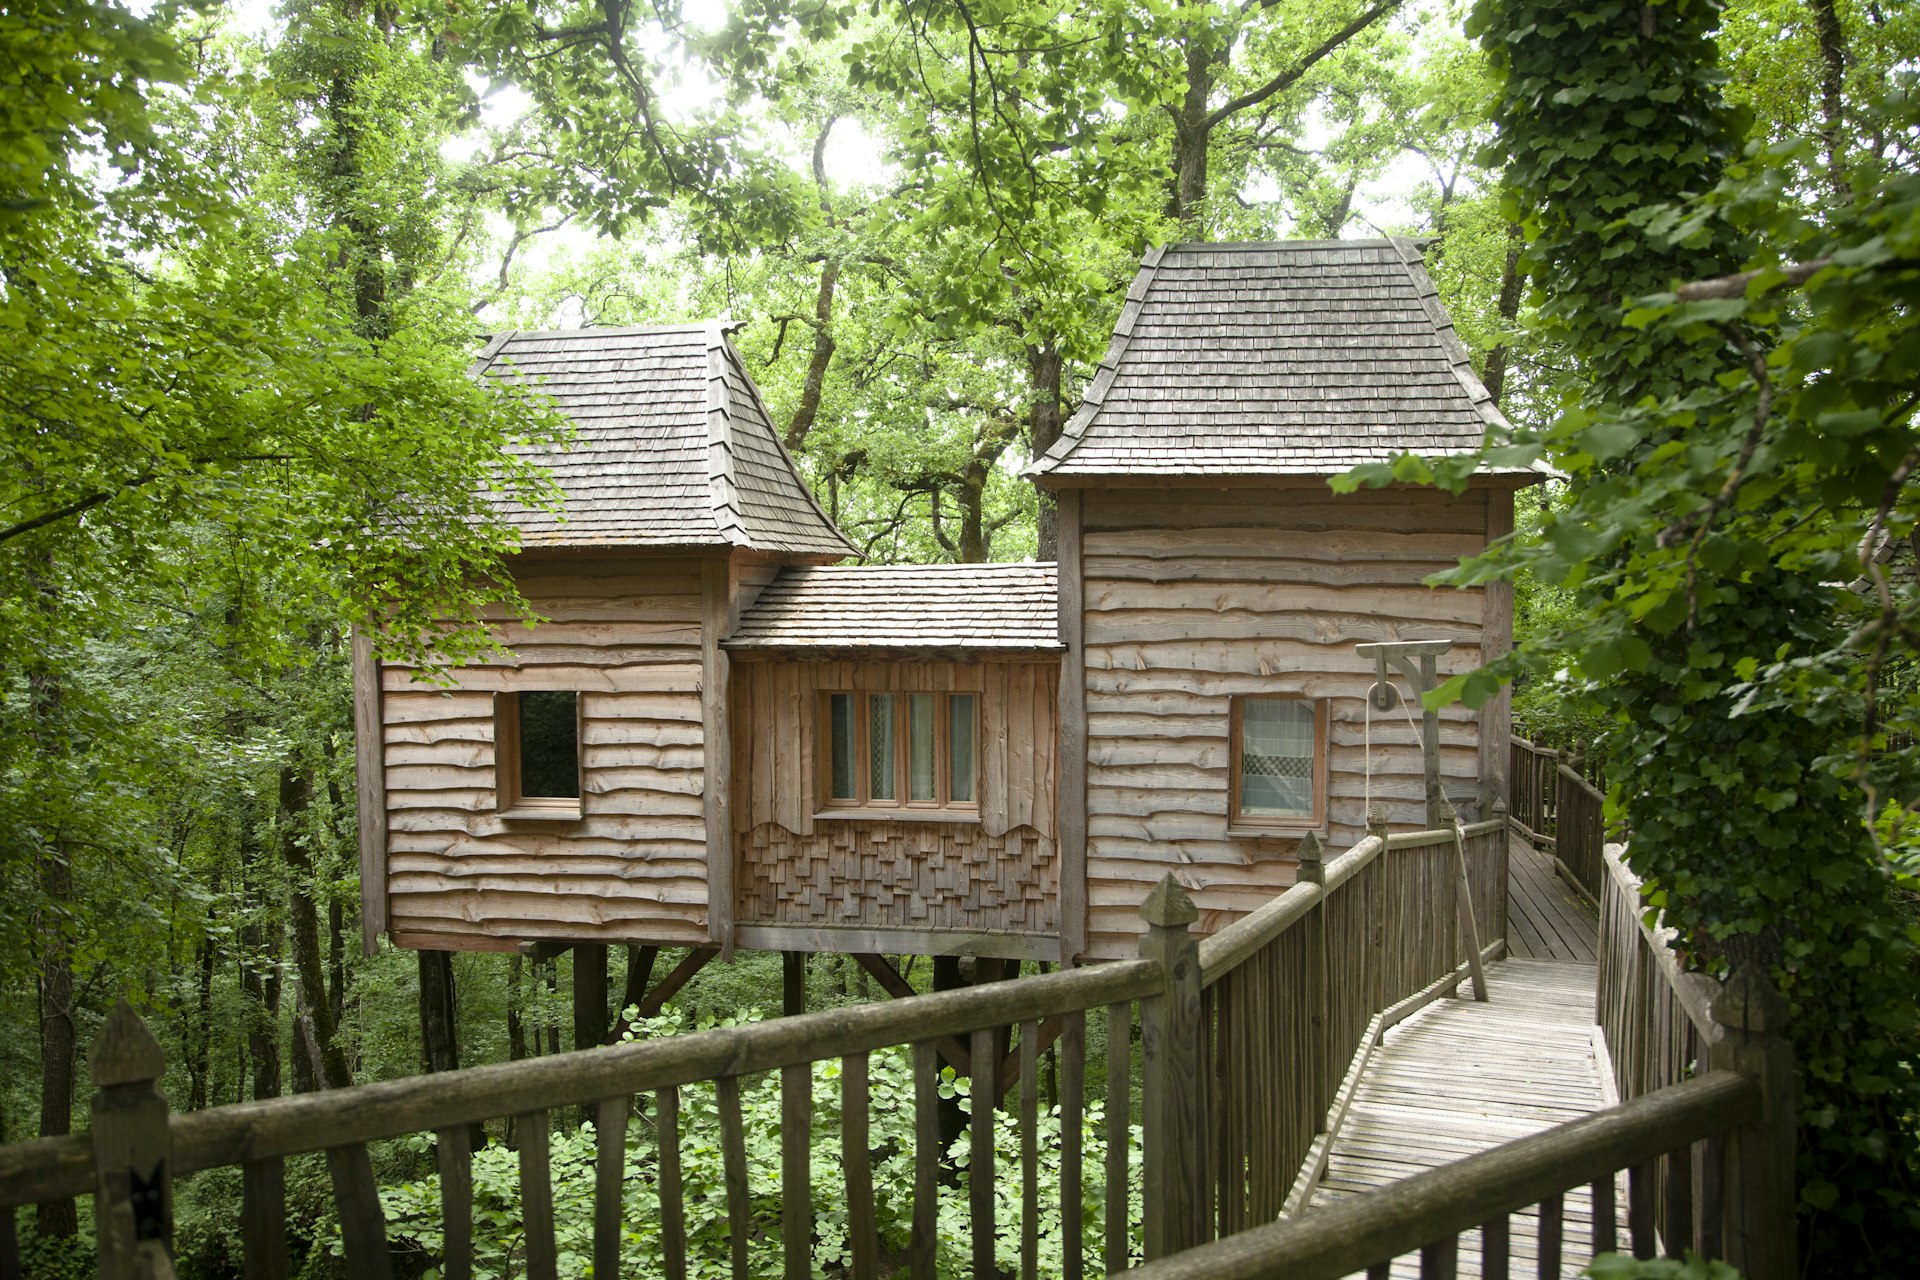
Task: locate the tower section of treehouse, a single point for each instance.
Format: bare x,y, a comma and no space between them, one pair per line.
571,789
1212,586
895,740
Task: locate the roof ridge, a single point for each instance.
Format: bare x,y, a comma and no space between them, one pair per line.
1076,426
728,352
1255,246
723,494
1415,261
613,330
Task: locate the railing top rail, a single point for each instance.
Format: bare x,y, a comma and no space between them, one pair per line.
1573,775
1226,950
1694,990
1351,1235
1551,753
276,1127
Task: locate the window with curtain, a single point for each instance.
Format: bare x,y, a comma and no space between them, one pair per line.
1279,761
901,750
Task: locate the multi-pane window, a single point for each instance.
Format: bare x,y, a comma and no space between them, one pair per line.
537,750
1279,761
902,750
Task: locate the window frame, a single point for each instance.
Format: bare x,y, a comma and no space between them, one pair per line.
508,800
942,808
1240,822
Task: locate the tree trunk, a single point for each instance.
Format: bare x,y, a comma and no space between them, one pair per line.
1833,84
1509,308
337,959
200,1048
333,1070
260,972
1191,133
1044,364
516,1027
57,1218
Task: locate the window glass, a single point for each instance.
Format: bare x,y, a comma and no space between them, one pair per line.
549,744
1276,757
843,749
960,747
881,748
920,747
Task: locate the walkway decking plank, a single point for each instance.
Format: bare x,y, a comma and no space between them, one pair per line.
1460,1077
1546,918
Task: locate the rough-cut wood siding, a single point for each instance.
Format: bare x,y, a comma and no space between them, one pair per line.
1000,874
627,635
1194,596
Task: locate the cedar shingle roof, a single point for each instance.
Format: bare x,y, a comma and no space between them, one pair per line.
1302,357
672,446
1007,607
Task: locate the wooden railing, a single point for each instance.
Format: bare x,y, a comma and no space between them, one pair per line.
1705,1140
1244,1039
1559,810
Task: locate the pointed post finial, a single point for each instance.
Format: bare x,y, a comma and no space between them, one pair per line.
126,1052
1168,906
1313,868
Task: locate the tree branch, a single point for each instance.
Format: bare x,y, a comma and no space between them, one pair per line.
1290,76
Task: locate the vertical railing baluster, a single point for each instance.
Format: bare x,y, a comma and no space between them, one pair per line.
1119,1121
1073,1070
9,1243
1713,1204
609,1177
1496,1248
453,1156
1030,1150
1640,1184
1380,1271
363,1224
673,1209
1677,1179
263,1219
924,1248
1606,1230
856,1157
536,1196
1440,1260
1552,1234
733,1166
980,1152
796,1167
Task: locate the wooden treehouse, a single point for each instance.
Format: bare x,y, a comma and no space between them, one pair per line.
1361,1025
720,738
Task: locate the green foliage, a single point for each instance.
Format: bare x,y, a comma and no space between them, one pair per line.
1737,459
1621,1266
413,1208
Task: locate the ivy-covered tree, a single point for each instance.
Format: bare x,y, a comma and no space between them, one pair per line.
1735,422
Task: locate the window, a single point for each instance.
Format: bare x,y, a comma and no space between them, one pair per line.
537,752
1279,767
901,750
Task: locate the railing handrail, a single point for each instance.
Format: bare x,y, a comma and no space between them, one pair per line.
1574,776
1354,1234
1226,950
1694,990
273,1128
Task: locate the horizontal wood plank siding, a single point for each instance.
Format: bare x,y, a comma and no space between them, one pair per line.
1193,597
997,874
626,634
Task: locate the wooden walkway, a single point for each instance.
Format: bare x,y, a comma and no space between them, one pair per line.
1547,919
1460,1077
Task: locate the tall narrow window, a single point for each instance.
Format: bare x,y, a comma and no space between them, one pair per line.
1279,762
960,750
537,751
883,768
843,786
900,750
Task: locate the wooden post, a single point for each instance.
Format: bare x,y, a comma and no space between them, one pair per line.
589,994
1377,830
1759,1198
1313,870
793,983
1437,806
1463,905
1174,1144
132,1151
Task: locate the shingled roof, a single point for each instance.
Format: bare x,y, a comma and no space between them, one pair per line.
1006,607
1303,357
672,446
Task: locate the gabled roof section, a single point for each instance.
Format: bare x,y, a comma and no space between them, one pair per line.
673,446
1294,357
992,607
